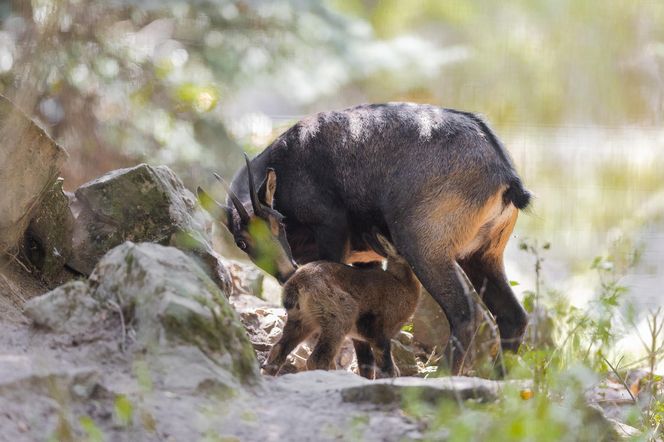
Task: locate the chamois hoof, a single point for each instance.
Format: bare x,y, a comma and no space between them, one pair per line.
387,374
269,370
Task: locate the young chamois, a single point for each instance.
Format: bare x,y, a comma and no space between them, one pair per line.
367,303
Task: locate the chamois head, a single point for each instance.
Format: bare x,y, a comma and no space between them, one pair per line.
259,232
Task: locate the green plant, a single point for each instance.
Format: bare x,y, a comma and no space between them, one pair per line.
566,351
561,334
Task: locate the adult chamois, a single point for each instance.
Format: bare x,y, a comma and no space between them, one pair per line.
436,182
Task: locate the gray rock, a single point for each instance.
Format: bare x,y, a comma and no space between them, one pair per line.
48,240
35,161
141,203
394,391
247,278
20,374
68,308
355,389
171,301
316,381
271,291
262,321
404,358
624,431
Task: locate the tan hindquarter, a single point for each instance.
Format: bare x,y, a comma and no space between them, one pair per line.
454,228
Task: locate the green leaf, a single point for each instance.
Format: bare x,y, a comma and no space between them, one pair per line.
529,301
91,429
198,98
142,372
596,262
513,283
124,410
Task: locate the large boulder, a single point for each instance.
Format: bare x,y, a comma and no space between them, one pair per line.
171,299
172,313
140,204
30,163
21,374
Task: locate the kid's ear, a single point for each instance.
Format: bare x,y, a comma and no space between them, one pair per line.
374,244
385,245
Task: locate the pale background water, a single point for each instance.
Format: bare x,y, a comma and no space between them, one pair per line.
593,185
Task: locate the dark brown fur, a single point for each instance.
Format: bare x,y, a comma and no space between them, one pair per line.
368,304
436,182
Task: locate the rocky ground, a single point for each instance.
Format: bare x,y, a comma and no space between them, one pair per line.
120,321
149,348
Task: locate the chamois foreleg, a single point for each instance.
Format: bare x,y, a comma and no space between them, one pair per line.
295,331
383,353
365,359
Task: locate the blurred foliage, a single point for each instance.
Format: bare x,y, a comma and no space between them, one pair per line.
537,61
118,82
182,82
561,334
557,414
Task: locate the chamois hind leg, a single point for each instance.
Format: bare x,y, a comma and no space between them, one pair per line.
334,310
295,331
438,275
486,271
326,349
365,358
383,352
430,241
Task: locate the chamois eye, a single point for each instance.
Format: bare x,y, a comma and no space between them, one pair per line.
241,244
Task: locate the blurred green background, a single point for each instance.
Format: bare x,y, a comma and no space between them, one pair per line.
574,88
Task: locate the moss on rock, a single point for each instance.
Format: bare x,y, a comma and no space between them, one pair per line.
172,300
141,204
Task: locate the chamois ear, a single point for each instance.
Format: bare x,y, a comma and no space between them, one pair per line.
268,188
372,241
386,245
218,211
